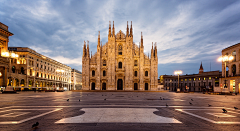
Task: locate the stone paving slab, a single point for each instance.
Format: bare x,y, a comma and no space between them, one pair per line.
131,111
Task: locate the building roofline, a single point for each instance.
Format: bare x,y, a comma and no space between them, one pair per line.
38,54
230,47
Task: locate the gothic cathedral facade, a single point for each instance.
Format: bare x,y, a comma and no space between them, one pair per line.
119,64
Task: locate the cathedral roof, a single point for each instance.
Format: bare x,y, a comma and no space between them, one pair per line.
120,35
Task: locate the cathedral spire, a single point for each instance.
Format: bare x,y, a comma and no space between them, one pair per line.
87,48
113,30
155,49
141,40
98,38
109,32
131,30
127,33
84,49
152,52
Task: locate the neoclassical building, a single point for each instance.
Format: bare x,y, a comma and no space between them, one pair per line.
34,71
4,38
76,79
201,82
119,64
231,83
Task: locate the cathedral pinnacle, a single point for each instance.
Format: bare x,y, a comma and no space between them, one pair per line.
109,32
131,30
113,30
127,33
141,40
98,38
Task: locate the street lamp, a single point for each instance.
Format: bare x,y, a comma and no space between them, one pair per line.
177,73
9,56
225,59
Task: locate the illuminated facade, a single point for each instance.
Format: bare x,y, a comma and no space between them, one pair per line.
232,81
119,64
33,71
203,81
4,62
76,79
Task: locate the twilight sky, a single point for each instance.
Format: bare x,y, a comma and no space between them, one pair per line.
186,31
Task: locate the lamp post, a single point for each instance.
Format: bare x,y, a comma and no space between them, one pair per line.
225,59
177,73
9,55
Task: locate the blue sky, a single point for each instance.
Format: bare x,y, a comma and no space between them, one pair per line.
186,31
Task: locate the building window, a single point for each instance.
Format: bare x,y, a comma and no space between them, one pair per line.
120,49
104,63
120,65
37,65
204,78
216,82
146,73
190,79
135,73
210,78
37,74
104,73
181,79
22,70
234,56
13,69
41,66
199,78
93,73
135,62
185,79
194,79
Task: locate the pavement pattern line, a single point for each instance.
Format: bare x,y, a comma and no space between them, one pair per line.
118,115
206,119
30,118
112,105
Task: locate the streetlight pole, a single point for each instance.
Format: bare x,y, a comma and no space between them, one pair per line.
178,73
178,81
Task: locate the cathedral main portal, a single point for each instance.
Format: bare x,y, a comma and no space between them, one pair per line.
120,84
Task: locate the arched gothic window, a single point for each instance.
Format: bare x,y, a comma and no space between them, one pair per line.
104,63
146,73
93,73
135,73
104,73
120,50
120,65
135,62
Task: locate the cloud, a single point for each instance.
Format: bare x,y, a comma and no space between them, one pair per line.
68,61
40,50
186,32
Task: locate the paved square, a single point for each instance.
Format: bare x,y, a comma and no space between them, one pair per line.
120,111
